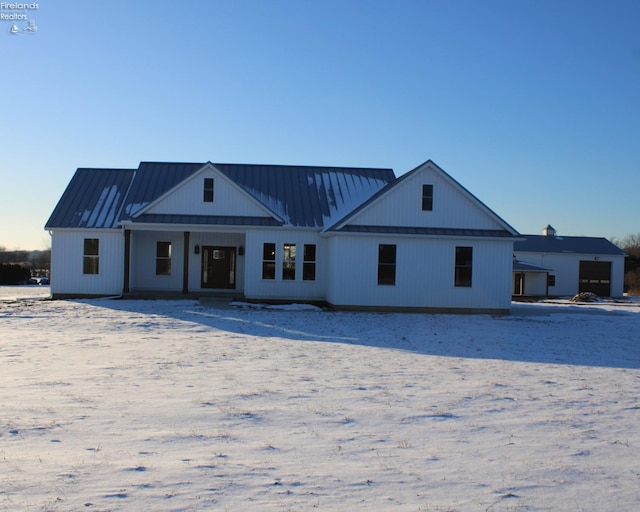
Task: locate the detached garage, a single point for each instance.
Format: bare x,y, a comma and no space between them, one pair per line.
553,265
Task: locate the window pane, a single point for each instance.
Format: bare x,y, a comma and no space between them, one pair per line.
463,276
269,252
90,265
309,252
91,246
386,253
464,255
163,249
163,267
268,270
308,271
386,274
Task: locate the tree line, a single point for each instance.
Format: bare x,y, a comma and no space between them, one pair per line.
19,266
631,245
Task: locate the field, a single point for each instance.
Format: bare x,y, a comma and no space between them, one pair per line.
111,405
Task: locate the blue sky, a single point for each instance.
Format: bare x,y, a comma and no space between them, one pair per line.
534,106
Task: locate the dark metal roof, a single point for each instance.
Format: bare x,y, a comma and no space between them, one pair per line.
229,220
307,196
303,196
567,244
405,230
93,199
152,180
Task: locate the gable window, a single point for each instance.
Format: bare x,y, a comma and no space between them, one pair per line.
289,262
386,264
208,190
91,256
464,266
269,261
427,198
163,258
309,263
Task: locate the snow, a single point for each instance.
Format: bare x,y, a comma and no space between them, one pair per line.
117,405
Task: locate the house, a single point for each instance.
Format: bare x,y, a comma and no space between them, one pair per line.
352,238
553,265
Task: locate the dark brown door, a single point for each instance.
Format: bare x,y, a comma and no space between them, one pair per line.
518,283
595,277
218,267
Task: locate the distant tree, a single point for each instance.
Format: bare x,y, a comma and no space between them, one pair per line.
631,245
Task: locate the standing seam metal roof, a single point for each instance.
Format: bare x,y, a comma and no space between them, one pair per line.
304,196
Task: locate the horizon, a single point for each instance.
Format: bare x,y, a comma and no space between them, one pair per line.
531,106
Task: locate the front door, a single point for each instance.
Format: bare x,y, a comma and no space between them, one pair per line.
218,267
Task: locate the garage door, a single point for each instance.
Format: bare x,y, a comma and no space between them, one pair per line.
595,277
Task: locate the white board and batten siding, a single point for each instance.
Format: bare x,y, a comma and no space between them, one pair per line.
229,199
452,206
67,250
425,274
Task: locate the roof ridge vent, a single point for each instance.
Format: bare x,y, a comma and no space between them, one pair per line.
549,231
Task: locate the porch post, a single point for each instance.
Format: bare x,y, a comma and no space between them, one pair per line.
185,267
127,260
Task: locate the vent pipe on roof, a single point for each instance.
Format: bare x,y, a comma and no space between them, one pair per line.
549,231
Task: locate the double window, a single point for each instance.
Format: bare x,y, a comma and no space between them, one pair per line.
386,264
464,266
163,258
91,256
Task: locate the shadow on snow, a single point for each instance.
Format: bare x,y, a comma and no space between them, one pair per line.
573,335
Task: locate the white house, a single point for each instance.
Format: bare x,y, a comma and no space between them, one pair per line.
351,238
553,265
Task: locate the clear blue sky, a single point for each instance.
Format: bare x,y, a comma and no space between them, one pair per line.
533,105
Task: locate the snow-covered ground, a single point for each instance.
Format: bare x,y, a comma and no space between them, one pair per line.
176,406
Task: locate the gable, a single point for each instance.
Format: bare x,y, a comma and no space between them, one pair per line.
225,198
453,209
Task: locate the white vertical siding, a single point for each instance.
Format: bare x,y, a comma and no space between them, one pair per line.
143,261
228,199
279,289
67,252
453,207
425,271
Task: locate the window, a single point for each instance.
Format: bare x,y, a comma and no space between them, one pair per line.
269,261
289,262
427,198
464,265
309,263
208,190
91,258
386,264
163,258
551,280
